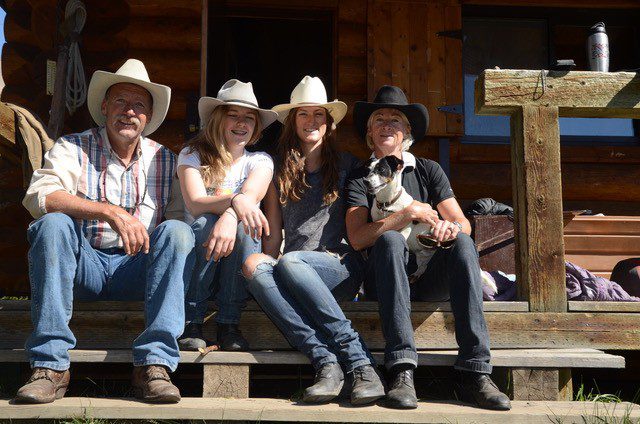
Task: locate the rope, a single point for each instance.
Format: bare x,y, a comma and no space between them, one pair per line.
76,89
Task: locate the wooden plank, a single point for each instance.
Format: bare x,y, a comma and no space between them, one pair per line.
226,381
611,244
435,86
596,263
599,306
582,4
537,192
25,305
575,94
432,330
521,358
565,383
267,410
453,66
204,46
379,55
618,225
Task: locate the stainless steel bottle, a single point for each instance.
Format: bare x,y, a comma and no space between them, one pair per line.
598,48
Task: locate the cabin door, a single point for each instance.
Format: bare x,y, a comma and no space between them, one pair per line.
271,47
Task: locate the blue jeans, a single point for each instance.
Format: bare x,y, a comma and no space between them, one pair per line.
63,266
224,277
300,294
452,274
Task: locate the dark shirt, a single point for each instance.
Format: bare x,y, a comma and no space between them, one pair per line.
311,225
425,181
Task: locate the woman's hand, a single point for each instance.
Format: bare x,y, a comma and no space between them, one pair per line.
222,238
423,212
254,221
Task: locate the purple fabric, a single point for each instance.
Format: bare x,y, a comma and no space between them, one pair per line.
506,287
583,285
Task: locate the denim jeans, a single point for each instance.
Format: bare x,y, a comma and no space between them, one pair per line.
63,266
452,274
300,294
224,277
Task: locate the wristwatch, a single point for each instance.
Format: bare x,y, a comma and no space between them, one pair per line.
457,224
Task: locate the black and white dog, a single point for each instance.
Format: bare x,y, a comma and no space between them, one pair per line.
384,181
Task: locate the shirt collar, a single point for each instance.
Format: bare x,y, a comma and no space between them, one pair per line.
408,158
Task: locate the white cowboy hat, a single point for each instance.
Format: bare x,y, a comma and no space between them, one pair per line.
311,92
134,72
238,93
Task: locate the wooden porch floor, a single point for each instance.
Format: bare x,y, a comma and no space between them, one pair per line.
266,410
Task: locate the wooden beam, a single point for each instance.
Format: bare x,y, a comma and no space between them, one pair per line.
576,94
226,381
537,196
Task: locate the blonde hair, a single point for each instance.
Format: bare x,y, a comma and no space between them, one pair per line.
408,137
291,179
210,144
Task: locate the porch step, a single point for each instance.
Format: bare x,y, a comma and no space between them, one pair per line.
265,410
519,358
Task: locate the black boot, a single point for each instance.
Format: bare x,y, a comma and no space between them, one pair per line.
481,390
367,386
327,384
230,338
192,338
402,392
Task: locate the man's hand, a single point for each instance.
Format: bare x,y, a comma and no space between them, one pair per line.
423,212
222,238
135,237
444,230
255,223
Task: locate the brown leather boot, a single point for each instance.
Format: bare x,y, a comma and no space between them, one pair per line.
151,383
44,386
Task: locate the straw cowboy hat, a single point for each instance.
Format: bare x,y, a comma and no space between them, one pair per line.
237,93
311,92
389,96
134,72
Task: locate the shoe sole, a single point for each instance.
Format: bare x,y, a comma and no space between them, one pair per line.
366,399
401,405
140,396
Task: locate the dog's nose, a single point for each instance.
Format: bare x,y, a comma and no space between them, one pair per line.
367,183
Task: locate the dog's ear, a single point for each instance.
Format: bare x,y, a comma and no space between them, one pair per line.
395,163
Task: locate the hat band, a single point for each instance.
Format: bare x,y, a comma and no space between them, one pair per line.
241,101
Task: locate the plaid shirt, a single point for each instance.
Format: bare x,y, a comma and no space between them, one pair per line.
84,165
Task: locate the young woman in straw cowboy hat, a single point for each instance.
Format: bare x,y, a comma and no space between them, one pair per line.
301,290
222,185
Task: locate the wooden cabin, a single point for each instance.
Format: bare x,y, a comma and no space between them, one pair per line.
432,49
355,46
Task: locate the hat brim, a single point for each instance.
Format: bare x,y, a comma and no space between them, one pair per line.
206,105
336,108
416,113
102,80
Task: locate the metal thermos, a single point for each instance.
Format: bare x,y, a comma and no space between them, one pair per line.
598,48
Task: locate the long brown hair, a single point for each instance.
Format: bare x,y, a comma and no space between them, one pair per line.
215,158
291,179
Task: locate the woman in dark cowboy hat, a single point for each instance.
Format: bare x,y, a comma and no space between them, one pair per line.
390,124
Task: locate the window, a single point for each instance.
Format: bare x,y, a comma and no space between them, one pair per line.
532,38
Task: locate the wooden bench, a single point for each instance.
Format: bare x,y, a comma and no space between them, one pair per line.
540,349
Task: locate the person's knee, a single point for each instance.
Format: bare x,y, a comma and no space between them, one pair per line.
465,246
251,264
52,226
202,226
391,240
177,233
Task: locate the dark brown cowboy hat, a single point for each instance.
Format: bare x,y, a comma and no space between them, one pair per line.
389,96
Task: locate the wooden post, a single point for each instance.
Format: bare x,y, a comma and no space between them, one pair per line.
541,384
227,381
537,188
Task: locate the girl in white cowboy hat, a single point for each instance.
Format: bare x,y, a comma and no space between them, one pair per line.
222,185
301,290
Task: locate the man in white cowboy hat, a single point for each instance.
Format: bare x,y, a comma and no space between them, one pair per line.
390,124
99,203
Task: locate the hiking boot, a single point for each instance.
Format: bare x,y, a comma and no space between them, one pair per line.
192,338
367,386
151,383
230,338
402,393
481,390
327,384
44,386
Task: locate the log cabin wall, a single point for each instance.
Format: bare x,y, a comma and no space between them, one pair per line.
377,42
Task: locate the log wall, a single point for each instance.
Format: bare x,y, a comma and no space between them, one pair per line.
377,42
